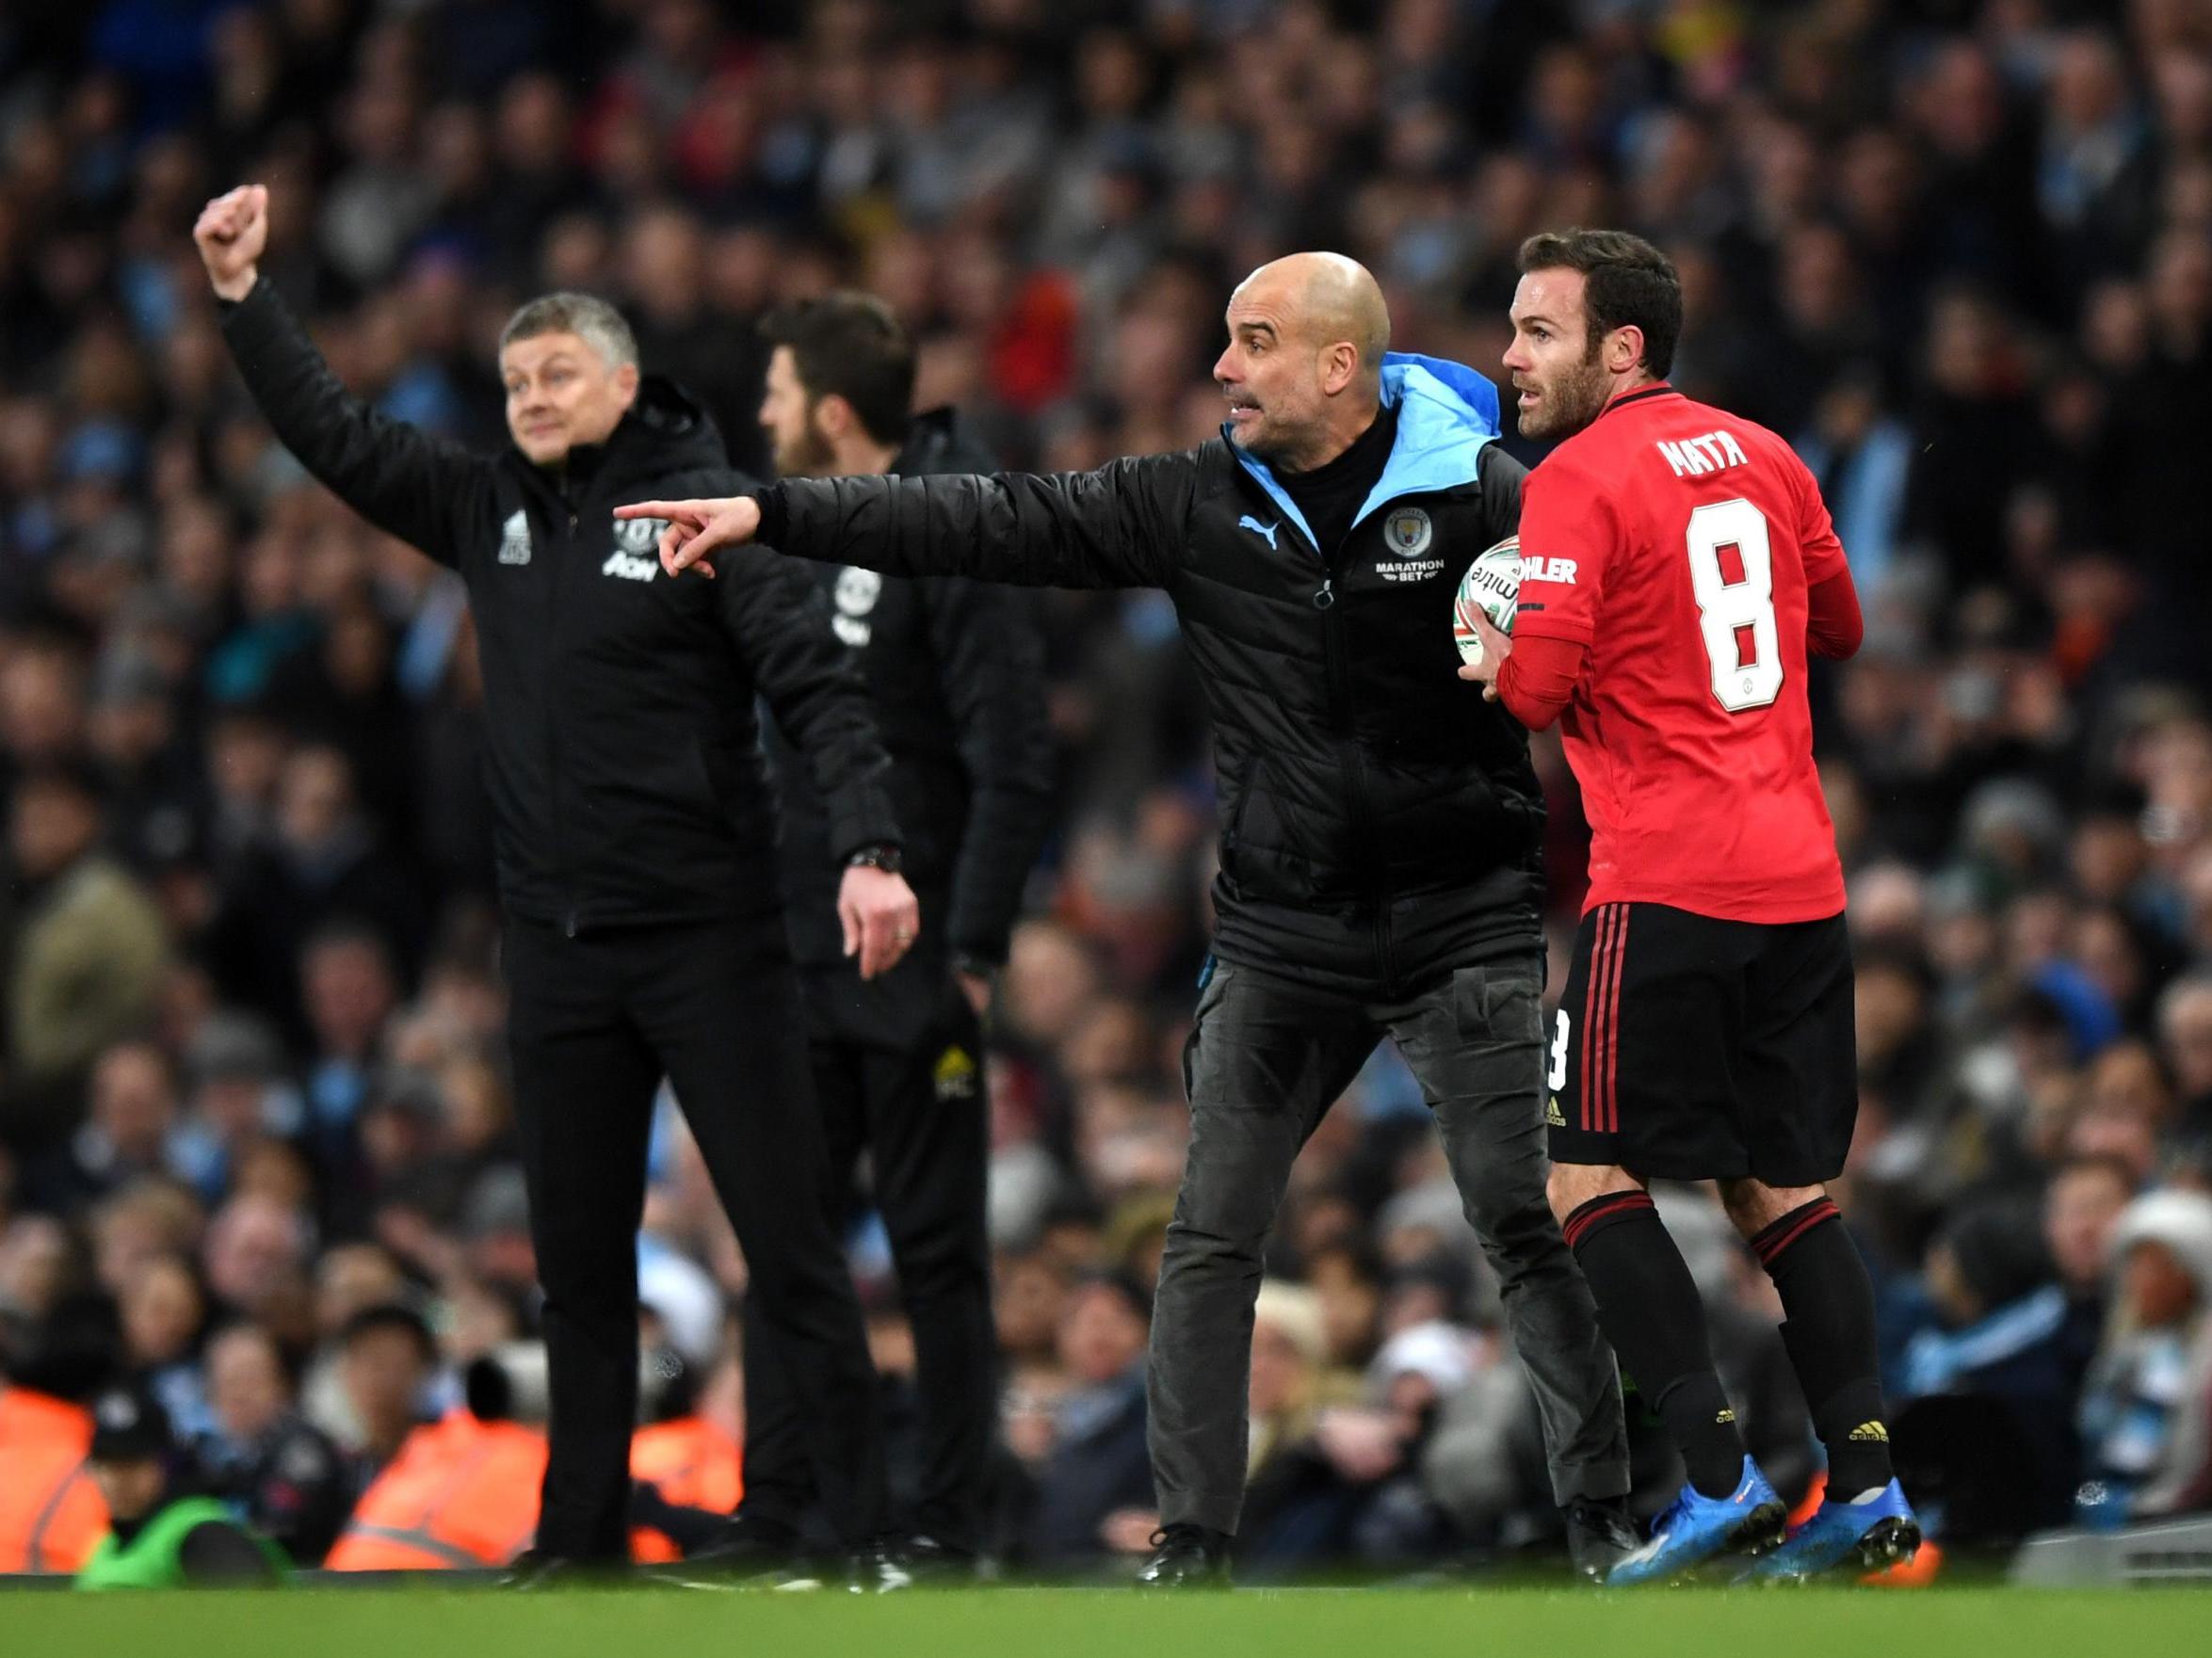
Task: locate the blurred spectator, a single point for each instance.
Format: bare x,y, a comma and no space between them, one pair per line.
385,1361
257,1453
50,1513
2001,1336
133,1128
323,866
164,1316
1372,1479
256,1257
2184,1033
462,1491
85,952
1095,1490
1289,1344
161,1535
2146,1416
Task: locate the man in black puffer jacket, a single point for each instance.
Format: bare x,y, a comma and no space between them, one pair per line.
636,838
957,668
1380,827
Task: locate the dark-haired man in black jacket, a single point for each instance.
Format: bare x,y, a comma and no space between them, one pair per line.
1380,829
957,672
636,840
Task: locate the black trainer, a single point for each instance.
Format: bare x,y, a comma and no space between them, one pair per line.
749,1550
532,1569
1186,1556
1600,1532
930,1560
877,1568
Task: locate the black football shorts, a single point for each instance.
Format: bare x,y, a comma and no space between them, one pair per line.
1688,1048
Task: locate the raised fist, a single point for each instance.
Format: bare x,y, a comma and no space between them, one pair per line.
231,234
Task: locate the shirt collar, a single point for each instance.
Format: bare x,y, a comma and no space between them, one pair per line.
1641,394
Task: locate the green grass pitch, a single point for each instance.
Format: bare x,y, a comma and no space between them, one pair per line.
1977,1623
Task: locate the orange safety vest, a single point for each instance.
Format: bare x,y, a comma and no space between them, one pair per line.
52,1516
694,1464
461,1494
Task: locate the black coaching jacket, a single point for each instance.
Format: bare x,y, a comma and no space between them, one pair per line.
1380,821
957,668
622,750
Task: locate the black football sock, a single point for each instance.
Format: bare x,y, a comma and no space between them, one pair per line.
1649,1307
1828,1302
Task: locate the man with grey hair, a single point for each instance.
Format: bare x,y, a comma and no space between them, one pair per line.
636,851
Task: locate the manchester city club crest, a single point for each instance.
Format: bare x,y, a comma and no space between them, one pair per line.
1407,531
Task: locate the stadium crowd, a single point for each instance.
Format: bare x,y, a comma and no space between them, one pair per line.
254,1142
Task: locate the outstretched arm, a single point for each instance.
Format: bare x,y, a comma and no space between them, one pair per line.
1122,526
400,478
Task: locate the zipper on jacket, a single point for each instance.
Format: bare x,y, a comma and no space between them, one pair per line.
562,873
1340,706
1340,699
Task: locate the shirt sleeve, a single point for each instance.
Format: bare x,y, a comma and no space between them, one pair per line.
1833,627
1821,547
428,491
780,620
1568,532
1537,681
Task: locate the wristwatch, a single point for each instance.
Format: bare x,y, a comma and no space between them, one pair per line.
883,856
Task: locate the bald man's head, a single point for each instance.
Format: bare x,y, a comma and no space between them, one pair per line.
1304,368
1333,299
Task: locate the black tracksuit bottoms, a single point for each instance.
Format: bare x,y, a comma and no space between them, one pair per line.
920,1115
595,1021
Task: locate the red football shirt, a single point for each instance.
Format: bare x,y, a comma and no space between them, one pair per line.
1677,541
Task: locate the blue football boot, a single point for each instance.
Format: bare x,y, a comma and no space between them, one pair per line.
1698,1528
1874,1533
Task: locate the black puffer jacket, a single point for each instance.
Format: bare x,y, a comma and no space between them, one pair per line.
622,750
1380,821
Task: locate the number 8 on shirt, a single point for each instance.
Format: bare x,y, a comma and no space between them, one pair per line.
1705,1031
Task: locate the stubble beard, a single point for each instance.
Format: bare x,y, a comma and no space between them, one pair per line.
809,455
1575,399
1292,450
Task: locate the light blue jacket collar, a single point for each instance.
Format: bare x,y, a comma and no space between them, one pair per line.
1445,413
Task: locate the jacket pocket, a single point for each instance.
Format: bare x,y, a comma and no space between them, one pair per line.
1259,852
1232,832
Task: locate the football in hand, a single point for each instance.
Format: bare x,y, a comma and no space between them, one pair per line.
1492,585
